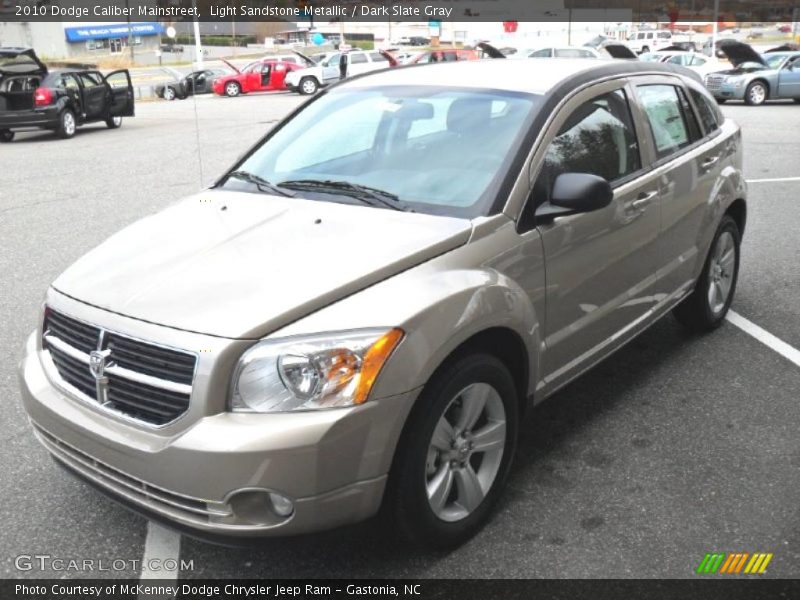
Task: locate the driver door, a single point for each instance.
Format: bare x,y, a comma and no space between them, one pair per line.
120,100
330,70
600,265
789,79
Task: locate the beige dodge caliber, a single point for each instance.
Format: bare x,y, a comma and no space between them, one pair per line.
356,316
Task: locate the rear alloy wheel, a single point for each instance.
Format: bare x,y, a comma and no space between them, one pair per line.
308,86
756,93
6,135
66,124
232,89
455,454
705,308
113,122
169,93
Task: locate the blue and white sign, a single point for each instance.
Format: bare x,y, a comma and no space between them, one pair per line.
113,30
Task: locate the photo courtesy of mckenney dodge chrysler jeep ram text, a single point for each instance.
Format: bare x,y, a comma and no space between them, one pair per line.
357,314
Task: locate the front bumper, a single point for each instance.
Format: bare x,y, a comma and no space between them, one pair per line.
729,92
213,477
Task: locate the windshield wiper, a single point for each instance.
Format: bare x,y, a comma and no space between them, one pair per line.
261,183
365,193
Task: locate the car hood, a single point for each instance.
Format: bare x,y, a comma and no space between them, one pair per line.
620,51
739,53
241,265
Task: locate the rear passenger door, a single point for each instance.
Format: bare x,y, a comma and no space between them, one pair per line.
600,266
687,163
94,95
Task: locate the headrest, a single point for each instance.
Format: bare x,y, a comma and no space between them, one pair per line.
466,114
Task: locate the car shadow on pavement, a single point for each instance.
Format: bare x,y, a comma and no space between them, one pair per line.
368,550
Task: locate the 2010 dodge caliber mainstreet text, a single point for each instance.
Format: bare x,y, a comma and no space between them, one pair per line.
356,315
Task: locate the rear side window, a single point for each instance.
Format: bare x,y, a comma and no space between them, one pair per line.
707,112
358,58
672,129
544,53
378,57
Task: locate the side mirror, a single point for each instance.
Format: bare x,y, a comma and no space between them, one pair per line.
581,192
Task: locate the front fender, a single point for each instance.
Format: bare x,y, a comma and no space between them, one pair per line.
439,306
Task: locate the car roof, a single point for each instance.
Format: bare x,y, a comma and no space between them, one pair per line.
503,74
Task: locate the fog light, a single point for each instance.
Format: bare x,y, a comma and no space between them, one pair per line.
282,506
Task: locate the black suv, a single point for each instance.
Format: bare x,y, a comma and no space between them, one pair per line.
59,100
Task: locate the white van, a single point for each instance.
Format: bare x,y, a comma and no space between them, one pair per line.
649,40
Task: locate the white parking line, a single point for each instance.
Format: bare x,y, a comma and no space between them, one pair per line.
774,180
161,546
765,337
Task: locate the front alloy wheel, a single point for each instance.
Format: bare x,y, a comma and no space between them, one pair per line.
308,86
455,452
113,122
169,93
232,89
465,452
756,93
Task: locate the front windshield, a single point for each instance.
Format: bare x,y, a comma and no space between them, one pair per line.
433,149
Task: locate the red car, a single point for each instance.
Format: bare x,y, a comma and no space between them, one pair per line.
265,75
482,50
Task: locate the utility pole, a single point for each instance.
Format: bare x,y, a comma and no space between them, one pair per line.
130,30
714,28
198,49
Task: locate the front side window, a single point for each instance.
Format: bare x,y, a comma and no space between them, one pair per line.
669,125
543,53
597,138
437,150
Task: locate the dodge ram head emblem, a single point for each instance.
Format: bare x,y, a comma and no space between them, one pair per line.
97,363
97,367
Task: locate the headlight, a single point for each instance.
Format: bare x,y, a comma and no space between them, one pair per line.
311,372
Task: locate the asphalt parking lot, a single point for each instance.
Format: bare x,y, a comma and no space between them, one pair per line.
676,446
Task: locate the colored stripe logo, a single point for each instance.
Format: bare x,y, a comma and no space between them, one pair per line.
734,563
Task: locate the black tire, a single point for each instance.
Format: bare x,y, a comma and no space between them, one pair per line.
232,89
756,93
797,100
721,100
696,312
406,503
645,49
114,122
66,124
169,93
6,136
308,86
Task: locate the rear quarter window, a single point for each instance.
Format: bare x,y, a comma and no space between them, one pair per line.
709,116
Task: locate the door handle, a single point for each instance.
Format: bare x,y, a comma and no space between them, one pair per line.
709,161
643,199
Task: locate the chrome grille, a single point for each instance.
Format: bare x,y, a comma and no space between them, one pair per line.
142,381
714,82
